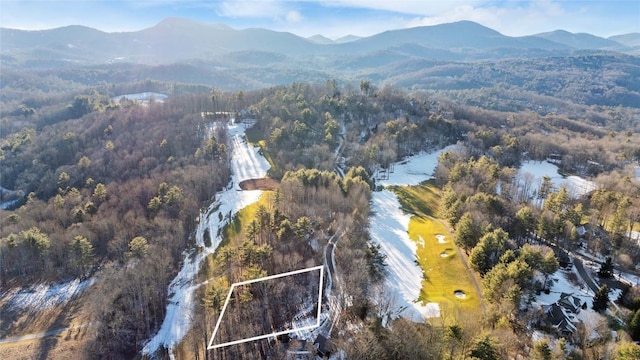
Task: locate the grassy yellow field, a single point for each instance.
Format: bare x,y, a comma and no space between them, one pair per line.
446,279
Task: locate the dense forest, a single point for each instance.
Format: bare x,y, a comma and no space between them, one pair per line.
112,190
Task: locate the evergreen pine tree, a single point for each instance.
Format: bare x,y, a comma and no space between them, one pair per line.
601,299
606,270
634,326
484,350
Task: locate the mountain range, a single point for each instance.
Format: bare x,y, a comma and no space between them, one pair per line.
464,58
178,40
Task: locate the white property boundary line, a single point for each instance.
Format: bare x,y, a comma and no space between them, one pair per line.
226,302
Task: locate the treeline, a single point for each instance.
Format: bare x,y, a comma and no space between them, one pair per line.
480,194
109,143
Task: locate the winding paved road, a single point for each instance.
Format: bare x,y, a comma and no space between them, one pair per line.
585,276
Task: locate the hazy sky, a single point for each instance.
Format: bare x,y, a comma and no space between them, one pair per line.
331,18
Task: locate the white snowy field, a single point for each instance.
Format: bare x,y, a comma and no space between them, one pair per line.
561,284
414,169
41,297
250,164
635,235
390,229
145,96
576,186
246,163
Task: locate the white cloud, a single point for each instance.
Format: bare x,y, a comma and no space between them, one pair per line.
414,7
269,8
251,9
294,16
523,19
336,27
278,11
509,17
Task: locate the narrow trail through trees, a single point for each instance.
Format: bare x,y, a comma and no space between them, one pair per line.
41,335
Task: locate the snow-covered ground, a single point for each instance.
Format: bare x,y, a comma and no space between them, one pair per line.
635,235
576,186
246,163
561,283
145,96
628,278
389,228
15,196
415,169
41,297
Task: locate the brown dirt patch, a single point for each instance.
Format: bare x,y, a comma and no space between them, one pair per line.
68,345
259,184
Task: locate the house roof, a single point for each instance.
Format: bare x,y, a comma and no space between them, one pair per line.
322,344
559,319
570,302
566,326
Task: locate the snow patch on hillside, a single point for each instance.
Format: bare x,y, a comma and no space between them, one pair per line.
576,186
414,169
41,297
246,161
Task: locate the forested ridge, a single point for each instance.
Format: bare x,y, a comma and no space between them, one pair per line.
117,188
112,190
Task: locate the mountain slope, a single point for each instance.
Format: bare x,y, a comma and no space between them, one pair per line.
319,39
169,41
631,40
458,35
346,39
580,40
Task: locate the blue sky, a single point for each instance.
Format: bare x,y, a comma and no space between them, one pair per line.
331,18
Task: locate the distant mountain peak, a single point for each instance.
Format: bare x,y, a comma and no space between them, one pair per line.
631,40
578,40
319,39
468,25
557,32
346,39
173,22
